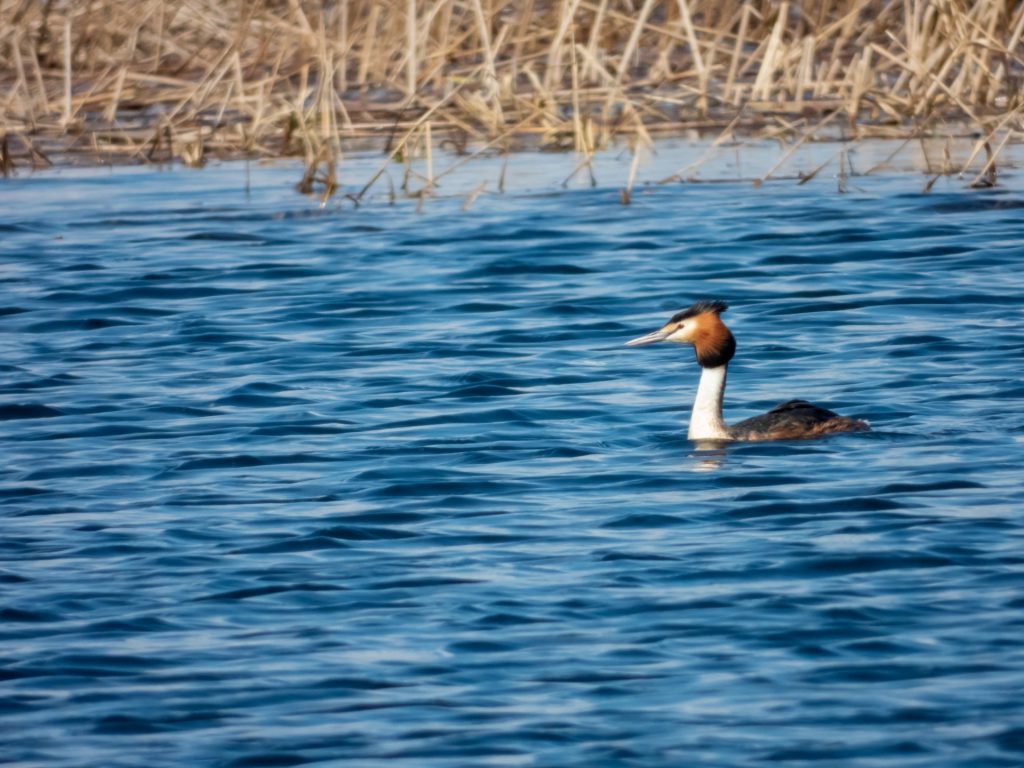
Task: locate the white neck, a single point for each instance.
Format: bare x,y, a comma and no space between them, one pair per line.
706,420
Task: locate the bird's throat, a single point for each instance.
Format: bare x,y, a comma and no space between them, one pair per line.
706,419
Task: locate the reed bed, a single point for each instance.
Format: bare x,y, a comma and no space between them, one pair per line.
108,81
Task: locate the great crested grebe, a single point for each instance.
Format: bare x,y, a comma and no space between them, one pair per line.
701,325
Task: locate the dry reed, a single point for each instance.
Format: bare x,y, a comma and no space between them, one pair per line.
184,80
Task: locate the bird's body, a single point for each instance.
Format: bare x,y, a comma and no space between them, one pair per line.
701,325
794,420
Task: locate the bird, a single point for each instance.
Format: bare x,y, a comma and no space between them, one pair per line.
701,326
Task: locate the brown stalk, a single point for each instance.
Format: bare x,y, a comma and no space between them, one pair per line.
795,146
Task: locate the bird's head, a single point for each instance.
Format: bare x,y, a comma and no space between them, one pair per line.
700,325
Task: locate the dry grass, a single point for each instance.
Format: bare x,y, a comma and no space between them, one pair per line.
158,80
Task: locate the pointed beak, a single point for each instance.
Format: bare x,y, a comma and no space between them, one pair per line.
650,338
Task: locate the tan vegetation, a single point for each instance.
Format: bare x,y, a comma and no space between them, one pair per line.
152,80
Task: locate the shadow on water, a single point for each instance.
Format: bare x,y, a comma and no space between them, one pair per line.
284,486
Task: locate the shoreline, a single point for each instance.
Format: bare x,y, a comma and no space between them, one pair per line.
420,177
156,144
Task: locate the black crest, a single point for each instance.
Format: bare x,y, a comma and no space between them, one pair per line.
699,308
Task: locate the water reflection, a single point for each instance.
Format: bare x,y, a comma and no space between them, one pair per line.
708,455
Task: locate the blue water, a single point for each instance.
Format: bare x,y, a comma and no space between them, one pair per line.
290,486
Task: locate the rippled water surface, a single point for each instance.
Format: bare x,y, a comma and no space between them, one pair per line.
290,486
